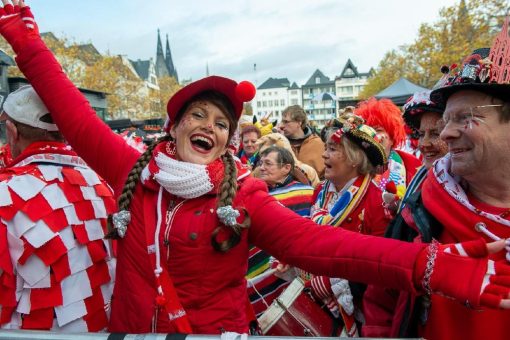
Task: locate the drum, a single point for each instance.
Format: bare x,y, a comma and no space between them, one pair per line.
295,313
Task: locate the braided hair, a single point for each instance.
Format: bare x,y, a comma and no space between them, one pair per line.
228,190
132,180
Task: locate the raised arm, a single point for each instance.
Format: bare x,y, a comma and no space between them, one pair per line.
92,139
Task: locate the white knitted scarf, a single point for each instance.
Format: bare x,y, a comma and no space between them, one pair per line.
182,179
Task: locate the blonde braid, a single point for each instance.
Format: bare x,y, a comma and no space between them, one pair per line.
132,180
228,190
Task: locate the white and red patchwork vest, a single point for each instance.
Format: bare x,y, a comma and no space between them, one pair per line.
56,270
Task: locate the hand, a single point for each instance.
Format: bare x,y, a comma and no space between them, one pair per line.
282,268
464,272
17,23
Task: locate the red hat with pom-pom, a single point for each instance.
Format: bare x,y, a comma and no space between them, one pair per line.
237,93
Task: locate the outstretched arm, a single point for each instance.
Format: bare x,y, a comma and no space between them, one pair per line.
460,271
93,140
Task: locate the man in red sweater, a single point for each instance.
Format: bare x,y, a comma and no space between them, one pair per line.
466,196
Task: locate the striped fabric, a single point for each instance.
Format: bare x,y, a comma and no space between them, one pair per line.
296,196
264,287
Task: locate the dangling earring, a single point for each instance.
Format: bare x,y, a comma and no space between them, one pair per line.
171,148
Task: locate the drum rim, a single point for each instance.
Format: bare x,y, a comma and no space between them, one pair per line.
274,312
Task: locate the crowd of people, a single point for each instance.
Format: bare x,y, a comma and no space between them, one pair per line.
199,234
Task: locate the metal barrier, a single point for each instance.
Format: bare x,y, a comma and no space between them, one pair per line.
43,335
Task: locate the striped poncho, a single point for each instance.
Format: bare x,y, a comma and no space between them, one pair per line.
263,286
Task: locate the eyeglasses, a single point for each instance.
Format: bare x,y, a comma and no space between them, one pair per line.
467,120
267,164
285,121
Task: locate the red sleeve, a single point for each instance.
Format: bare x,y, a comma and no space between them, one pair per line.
92,139
411,163
333,252
375,220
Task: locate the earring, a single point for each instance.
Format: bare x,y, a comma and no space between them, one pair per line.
170,148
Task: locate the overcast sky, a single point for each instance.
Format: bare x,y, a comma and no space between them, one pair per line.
286,39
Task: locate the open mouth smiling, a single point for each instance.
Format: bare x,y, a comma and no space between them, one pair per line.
201,143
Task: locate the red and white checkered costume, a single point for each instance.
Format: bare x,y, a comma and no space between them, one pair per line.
56,271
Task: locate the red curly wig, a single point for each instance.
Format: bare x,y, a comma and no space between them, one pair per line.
383,113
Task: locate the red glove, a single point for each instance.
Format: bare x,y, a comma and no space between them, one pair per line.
17,25
464,272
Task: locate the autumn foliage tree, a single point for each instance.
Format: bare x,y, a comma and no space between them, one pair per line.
128,95
168,86
460,29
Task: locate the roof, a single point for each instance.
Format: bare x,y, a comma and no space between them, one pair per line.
349,65
49,35
323,80
16,82
141,67
294,86
273,83
400,91
89,53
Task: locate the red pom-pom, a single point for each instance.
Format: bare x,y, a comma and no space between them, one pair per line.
391,187
160,300
245,91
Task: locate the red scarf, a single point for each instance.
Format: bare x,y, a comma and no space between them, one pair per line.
458,221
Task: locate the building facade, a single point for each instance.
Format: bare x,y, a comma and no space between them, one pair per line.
273,96
319,110
349,84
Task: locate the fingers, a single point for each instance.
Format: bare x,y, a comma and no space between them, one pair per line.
282,268
504,304
496,246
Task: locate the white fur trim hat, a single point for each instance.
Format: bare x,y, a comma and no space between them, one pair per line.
25,106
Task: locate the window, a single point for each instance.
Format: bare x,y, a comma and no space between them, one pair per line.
264,103
282,102
293,102
270,103
293,92
317,80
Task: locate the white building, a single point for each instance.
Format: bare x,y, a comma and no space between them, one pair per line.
319,111
349,85
273,96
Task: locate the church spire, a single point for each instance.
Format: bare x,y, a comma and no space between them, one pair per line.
161,68
169,62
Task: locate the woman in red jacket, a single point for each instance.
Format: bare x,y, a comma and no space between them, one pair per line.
188,211
350,200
